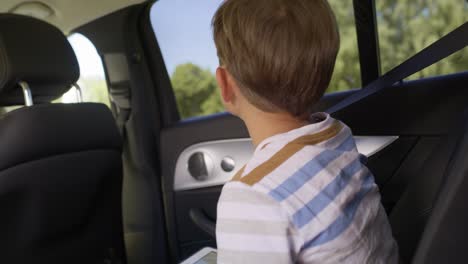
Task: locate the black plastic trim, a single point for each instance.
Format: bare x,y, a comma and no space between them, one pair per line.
368,40
201,220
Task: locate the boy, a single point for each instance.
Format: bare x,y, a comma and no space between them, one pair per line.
305,196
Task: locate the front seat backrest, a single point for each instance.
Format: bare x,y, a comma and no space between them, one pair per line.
60,165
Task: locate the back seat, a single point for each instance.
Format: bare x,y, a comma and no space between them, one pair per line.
415,208
445,238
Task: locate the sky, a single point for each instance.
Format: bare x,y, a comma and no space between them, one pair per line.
88,57
183,29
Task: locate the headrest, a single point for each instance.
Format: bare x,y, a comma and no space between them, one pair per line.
37,53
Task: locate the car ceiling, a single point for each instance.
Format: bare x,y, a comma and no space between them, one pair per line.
65,14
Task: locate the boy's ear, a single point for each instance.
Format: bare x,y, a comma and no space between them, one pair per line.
227,93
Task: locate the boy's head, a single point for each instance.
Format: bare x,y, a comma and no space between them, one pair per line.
279,54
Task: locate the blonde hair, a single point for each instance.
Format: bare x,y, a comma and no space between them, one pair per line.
281,52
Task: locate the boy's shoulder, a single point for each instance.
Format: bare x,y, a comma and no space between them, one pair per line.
295,163
306,150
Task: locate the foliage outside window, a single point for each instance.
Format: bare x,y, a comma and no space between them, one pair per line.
408,26
347,74
196,91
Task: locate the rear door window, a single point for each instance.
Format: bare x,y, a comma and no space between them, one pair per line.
407,26
184,34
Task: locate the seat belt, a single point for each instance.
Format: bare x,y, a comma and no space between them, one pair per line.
441,49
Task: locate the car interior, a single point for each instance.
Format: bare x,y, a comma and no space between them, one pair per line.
135,180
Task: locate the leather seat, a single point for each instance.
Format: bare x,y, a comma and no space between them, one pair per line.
410,216
445,238
60,165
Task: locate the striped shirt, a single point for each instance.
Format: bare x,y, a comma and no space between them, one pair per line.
304,197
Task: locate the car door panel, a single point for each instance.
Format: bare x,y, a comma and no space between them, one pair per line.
219,159
237,152
184,236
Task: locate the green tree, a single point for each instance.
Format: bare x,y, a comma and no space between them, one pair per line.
347,69
408,26
196,91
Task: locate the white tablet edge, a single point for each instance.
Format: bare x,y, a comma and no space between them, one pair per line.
199,255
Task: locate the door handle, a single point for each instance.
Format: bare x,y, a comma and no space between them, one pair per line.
200,166
203,222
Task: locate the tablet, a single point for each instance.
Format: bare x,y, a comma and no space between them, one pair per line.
205,256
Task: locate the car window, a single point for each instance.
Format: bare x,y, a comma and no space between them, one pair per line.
92,77
183,31
408,26
347,74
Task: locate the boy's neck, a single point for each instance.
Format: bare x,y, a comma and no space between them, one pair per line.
262,125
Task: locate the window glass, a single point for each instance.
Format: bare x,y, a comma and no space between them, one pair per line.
347,73
92,77
183,31
184,34
408,26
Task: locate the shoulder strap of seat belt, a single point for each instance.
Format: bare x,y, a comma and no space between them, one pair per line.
442,48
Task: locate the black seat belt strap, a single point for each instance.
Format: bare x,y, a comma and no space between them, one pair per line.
442,48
